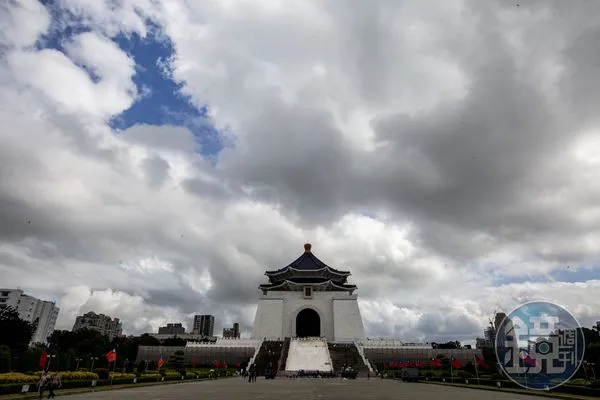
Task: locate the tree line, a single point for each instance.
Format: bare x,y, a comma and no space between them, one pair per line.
67,350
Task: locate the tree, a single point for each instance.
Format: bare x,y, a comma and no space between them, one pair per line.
148,340
16,332
177,360
151,365
84,343
5,359
174,341
141,367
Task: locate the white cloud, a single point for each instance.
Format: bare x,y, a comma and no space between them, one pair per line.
22,23
65,83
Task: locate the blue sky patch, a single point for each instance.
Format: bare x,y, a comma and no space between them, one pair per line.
161,101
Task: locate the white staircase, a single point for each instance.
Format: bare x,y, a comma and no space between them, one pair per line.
308,355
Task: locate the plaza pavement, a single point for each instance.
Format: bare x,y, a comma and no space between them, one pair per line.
300,389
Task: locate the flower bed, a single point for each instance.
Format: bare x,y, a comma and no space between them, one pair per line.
119,375
12,383
16,377
72,375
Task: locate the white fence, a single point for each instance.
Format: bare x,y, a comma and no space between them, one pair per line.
227,343
391,344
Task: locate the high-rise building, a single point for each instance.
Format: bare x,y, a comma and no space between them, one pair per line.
498,318
99,322
204,325
232,333
34,310
172,329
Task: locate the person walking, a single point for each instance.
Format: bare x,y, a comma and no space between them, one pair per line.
44,382
55,384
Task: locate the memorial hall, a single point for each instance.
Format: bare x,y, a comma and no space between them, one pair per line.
307,319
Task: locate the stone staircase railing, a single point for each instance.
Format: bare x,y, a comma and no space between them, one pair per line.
347,354
253,358
361,352
284,354
268,356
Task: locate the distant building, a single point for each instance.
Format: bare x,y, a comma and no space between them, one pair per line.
32,309
489,333
232,333
498,319
204,325
171,329
99,322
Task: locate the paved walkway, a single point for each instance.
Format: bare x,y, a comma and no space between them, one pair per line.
300,389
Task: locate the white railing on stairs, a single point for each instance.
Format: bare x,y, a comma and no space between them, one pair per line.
362,355
256,351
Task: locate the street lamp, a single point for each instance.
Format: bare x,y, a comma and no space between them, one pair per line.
92,359
78,361
50,357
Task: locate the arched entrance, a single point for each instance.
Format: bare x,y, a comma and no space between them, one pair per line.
308,323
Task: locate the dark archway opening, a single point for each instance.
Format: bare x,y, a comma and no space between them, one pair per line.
308,323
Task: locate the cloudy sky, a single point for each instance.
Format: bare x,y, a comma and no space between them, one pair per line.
156,157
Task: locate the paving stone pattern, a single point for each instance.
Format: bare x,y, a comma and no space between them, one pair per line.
300,389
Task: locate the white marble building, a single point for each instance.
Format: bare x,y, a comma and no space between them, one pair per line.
308,298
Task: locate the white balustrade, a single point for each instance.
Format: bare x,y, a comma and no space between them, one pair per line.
385,343
361,352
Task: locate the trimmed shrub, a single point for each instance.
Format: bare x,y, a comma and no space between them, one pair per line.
102,372
119,375
16,377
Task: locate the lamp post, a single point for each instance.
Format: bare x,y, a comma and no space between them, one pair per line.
78,361
92,359
50,357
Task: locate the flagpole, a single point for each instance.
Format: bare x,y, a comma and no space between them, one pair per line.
476,370
114,365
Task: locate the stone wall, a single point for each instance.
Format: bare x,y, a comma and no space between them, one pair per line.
201,355
338,311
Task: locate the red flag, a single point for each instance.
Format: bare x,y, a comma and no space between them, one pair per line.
435,363
43,360
480,362
456,363
420,364
528,360
160,363
111,356
395,364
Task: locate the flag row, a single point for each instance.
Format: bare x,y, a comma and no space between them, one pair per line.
434,363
